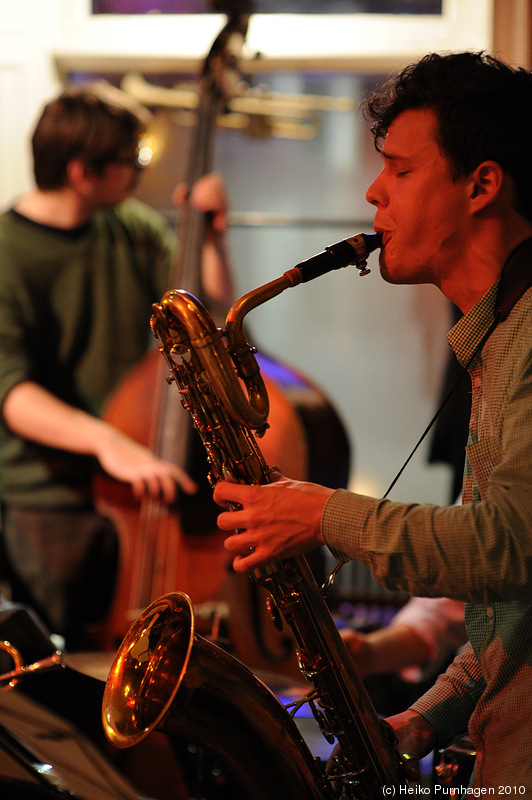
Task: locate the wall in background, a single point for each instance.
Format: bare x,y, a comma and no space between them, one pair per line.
379,351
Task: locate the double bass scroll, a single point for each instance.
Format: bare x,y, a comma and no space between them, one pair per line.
180,548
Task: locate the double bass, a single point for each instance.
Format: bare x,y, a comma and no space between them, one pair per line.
179,547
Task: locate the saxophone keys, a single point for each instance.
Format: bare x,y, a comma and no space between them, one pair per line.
274,613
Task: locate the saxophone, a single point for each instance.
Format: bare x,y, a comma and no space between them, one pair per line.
167,677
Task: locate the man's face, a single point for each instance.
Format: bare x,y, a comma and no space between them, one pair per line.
115,183
421,212
116,179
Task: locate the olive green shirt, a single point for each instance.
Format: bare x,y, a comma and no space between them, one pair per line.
480,552
74,317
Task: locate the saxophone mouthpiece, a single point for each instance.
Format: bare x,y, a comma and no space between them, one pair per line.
351,251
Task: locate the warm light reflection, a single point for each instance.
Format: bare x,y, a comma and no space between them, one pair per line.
365,485
146,151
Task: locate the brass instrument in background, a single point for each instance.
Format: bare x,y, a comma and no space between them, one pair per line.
168,678
258,112
8,680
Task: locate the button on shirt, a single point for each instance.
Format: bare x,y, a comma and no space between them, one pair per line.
480,552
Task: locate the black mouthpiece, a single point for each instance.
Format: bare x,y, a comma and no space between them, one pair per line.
353,250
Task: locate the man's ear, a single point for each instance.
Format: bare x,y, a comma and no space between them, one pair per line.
78,174
487,181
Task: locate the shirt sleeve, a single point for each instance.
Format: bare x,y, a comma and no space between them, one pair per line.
480,552
449,704
15,361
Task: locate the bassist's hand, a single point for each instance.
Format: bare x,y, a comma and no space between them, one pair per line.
130,462
207,195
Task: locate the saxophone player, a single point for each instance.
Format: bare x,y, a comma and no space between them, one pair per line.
453,203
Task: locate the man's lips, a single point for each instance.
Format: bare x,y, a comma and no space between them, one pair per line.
386,236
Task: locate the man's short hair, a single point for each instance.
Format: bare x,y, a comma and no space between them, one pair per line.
94,123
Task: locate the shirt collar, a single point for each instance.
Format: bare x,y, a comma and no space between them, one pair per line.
467,334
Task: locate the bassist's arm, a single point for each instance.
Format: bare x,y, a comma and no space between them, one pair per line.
32,412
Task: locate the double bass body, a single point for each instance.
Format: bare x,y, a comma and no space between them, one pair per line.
180,548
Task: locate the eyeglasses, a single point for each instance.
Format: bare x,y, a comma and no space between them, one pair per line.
142,157
132,161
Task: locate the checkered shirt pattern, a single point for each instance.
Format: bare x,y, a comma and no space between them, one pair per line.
480,552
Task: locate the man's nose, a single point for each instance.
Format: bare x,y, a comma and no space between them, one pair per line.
375,194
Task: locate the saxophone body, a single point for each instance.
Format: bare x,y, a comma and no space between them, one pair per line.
167,677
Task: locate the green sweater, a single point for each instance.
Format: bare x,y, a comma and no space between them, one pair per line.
74,318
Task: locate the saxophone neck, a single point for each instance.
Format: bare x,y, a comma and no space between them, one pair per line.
351,251
234,330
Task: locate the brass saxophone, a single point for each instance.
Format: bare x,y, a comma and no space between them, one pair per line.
167,677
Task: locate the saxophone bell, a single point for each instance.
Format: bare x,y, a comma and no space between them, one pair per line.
166,677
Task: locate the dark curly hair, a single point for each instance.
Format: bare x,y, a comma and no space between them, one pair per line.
484,112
